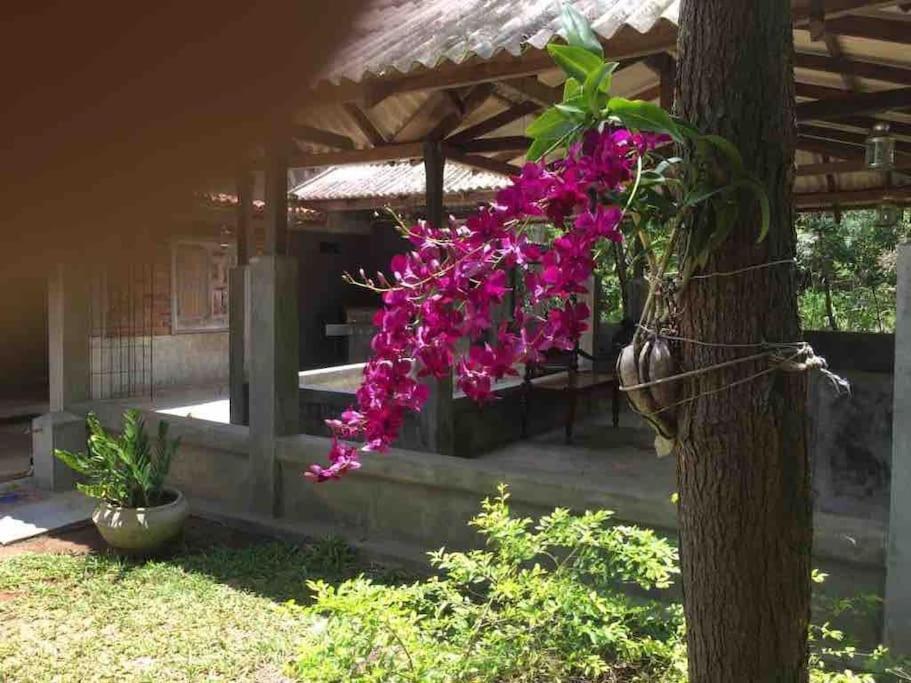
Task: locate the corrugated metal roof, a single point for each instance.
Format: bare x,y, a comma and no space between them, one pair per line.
398,35
386,181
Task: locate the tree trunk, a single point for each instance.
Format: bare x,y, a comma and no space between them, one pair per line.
830,309
742,467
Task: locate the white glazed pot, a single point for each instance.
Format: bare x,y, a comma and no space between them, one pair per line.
141,530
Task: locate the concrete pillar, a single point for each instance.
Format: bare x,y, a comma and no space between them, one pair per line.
237,345
51,431
273,371
436,417
898,555
69,327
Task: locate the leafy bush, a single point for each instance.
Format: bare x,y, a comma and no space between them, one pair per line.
545,601
125,471
542,602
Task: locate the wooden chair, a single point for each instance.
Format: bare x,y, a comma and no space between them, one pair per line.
561,373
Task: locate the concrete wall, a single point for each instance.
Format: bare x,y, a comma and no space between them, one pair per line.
477,429
402,504
192,359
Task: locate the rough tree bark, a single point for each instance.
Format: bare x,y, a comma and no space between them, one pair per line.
743,475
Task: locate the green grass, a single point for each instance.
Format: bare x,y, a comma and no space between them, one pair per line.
211,616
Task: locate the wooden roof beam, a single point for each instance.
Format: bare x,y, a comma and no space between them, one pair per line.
849,198
438,106
477,161
880,72
834,8
839,150
866,123
508,143
365,124
534,90
854,104
472,100
495,122
872,28
846,137
321,137
838,167
390,152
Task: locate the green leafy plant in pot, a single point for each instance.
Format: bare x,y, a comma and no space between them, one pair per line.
136,512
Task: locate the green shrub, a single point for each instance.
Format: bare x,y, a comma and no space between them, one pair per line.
124,471
543,601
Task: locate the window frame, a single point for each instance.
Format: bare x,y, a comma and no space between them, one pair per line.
178,326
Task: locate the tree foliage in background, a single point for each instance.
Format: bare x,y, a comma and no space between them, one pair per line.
847,271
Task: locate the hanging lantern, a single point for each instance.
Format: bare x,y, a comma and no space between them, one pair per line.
880,148
888,213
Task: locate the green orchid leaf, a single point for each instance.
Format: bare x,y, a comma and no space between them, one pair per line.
576,62
571,88
544,126
765,209
641,115
578,32
597,83
729,150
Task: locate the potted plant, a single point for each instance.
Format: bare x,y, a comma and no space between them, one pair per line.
136,512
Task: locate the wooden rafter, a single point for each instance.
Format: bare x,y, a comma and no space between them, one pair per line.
472,100
666,68
390,152
508,143
439,105
866,123
495,122
365,124
837,167
534,90
845,136
834,8
872,28
854,104
850,198
321,137
648,94
478,161
839,150
881,72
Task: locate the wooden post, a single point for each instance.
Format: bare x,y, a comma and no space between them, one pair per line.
276,196
244,215
436,420
237,297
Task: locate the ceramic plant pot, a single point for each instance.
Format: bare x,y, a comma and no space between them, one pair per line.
141,530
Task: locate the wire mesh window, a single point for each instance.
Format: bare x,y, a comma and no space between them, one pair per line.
122,331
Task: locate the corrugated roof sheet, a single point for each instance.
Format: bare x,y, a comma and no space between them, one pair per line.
399,35
386,181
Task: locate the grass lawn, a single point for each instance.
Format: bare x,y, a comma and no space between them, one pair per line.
212,614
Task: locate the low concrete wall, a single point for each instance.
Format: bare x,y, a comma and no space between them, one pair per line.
477,429
212,466
191,359
403,504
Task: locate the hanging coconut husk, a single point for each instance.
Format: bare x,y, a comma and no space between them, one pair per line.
652,362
